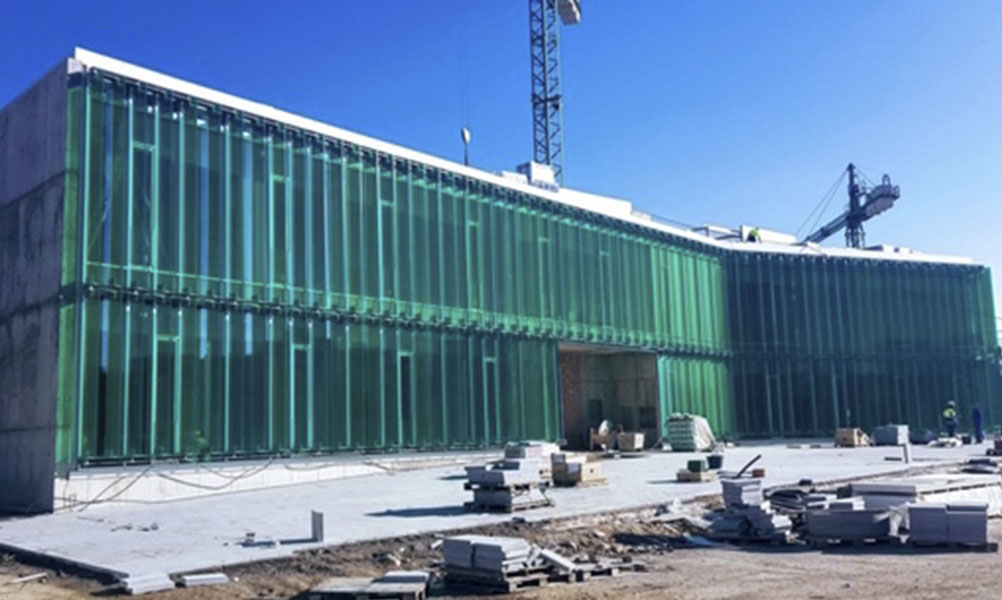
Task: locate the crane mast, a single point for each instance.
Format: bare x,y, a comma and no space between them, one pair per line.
547,93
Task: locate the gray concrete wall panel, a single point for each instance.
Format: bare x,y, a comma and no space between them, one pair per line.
32,173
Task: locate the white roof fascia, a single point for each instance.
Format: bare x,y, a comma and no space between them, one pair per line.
611,207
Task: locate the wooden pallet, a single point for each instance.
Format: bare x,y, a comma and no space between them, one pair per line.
508,508
828,542
582,484
364,588
506,584
687,476
987,547
517,487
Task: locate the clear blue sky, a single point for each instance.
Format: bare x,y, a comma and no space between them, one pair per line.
701,111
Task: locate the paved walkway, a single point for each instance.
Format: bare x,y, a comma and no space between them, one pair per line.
186,535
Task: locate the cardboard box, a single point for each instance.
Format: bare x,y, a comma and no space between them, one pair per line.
851,437
577,472
631,441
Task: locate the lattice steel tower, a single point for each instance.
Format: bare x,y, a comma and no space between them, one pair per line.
547,95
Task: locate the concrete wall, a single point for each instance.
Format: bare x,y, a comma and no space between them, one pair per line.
32,169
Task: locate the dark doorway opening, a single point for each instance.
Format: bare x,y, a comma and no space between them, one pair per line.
601,382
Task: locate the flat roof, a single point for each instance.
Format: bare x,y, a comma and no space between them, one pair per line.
622,210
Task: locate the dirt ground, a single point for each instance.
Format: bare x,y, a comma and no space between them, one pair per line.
675,568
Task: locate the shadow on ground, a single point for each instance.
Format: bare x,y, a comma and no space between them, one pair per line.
451,510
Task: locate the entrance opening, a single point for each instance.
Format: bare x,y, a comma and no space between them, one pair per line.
602,382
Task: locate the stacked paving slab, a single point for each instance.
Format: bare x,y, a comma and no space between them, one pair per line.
489,556
534,450
747,515
891,435
963,523
509,485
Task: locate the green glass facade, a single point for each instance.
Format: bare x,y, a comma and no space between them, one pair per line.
237,286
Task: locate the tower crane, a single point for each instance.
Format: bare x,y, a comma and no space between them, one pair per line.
547,95
864,204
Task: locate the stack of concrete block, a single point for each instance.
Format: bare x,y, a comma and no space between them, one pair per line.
534,450
747,516
511,472
690,433
851,525
574,469
490,555
512,484
890,435
957,523
742,492
508,499
531,449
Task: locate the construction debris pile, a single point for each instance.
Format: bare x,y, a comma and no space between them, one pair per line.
935,509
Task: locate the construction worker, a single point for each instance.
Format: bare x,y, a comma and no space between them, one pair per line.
977,422
754,235
950,418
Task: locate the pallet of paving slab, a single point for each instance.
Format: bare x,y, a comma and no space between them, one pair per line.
986,547
508,508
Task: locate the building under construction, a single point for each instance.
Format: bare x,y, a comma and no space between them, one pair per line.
188,275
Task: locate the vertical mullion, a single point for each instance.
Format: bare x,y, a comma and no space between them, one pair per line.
129,226
443,388
83,205
411,250
269,191
328,262
290,287
178,342
155,268
381,303
181,193
440,241
345,252
307,224
290,343
228,270
345,238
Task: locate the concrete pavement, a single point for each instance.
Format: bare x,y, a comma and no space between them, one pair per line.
185,535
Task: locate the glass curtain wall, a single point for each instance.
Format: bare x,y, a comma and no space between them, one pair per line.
247,288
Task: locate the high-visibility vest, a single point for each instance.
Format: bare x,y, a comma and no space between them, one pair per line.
949,413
